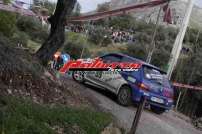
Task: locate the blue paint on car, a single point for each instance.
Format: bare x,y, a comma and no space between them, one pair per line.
150,82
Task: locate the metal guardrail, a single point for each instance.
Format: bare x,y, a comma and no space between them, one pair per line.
119,11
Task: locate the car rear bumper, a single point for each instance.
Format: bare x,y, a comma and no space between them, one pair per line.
152,99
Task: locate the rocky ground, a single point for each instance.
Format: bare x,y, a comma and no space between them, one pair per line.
21,75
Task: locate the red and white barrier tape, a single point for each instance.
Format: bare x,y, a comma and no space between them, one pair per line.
186,86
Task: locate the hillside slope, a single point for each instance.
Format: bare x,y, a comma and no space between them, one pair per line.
21,75
33,100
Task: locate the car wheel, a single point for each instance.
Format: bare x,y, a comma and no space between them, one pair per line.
157,110
78,76
124,96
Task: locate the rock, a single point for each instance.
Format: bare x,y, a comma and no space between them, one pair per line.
199,123
111,130
9,91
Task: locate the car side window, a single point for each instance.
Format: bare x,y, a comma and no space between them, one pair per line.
126,59
111,58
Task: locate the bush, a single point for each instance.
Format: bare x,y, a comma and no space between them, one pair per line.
103,7
99,36
20,116
164,54
7,23
21,38
28,24
75,44
32,27
106,41
136,50
5,40
6,1
75,50
123,22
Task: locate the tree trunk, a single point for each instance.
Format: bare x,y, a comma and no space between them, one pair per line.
57,33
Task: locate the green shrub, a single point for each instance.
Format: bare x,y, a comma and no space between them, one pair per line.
6,1
99,36
32,27
20,116
5,40
106,41
21,38
75,44
28,24
7,23
75,50
122,22
136,50
164,54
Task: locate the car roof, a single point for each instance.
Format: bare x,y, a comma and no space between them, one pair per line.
136,60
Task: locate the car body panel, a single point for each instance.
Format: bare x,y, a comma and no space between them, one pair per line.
109,80
113,81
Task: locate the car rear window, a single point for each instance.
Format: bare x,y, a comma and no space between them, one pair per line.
156,76
126,59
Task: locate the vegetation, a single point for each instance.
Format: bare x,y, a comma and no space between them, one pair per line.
103,7
20,38
99,36
50,6
32,27
7,23
22,75
44,7
21,116
6,1
75,44
77,10
21,29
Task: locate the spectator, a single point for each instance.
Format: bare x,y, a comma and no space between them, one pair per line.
115,35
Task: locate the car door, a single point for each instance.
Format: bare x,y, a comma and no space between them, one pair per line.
112,79
105,78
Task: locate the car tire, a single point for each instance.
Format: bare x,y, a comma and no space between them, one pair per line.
124,96
78,76
157,110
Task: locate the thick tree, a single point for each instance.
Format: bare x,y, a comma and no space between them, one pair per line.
57,33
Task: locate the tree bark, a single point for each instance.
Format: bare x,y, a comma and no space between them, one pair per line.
57,33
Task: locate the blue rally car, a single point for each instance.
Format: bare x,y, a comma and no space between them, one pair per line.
148,81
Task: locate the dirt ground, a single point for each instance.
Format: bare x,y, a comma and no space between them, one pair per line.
150,123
